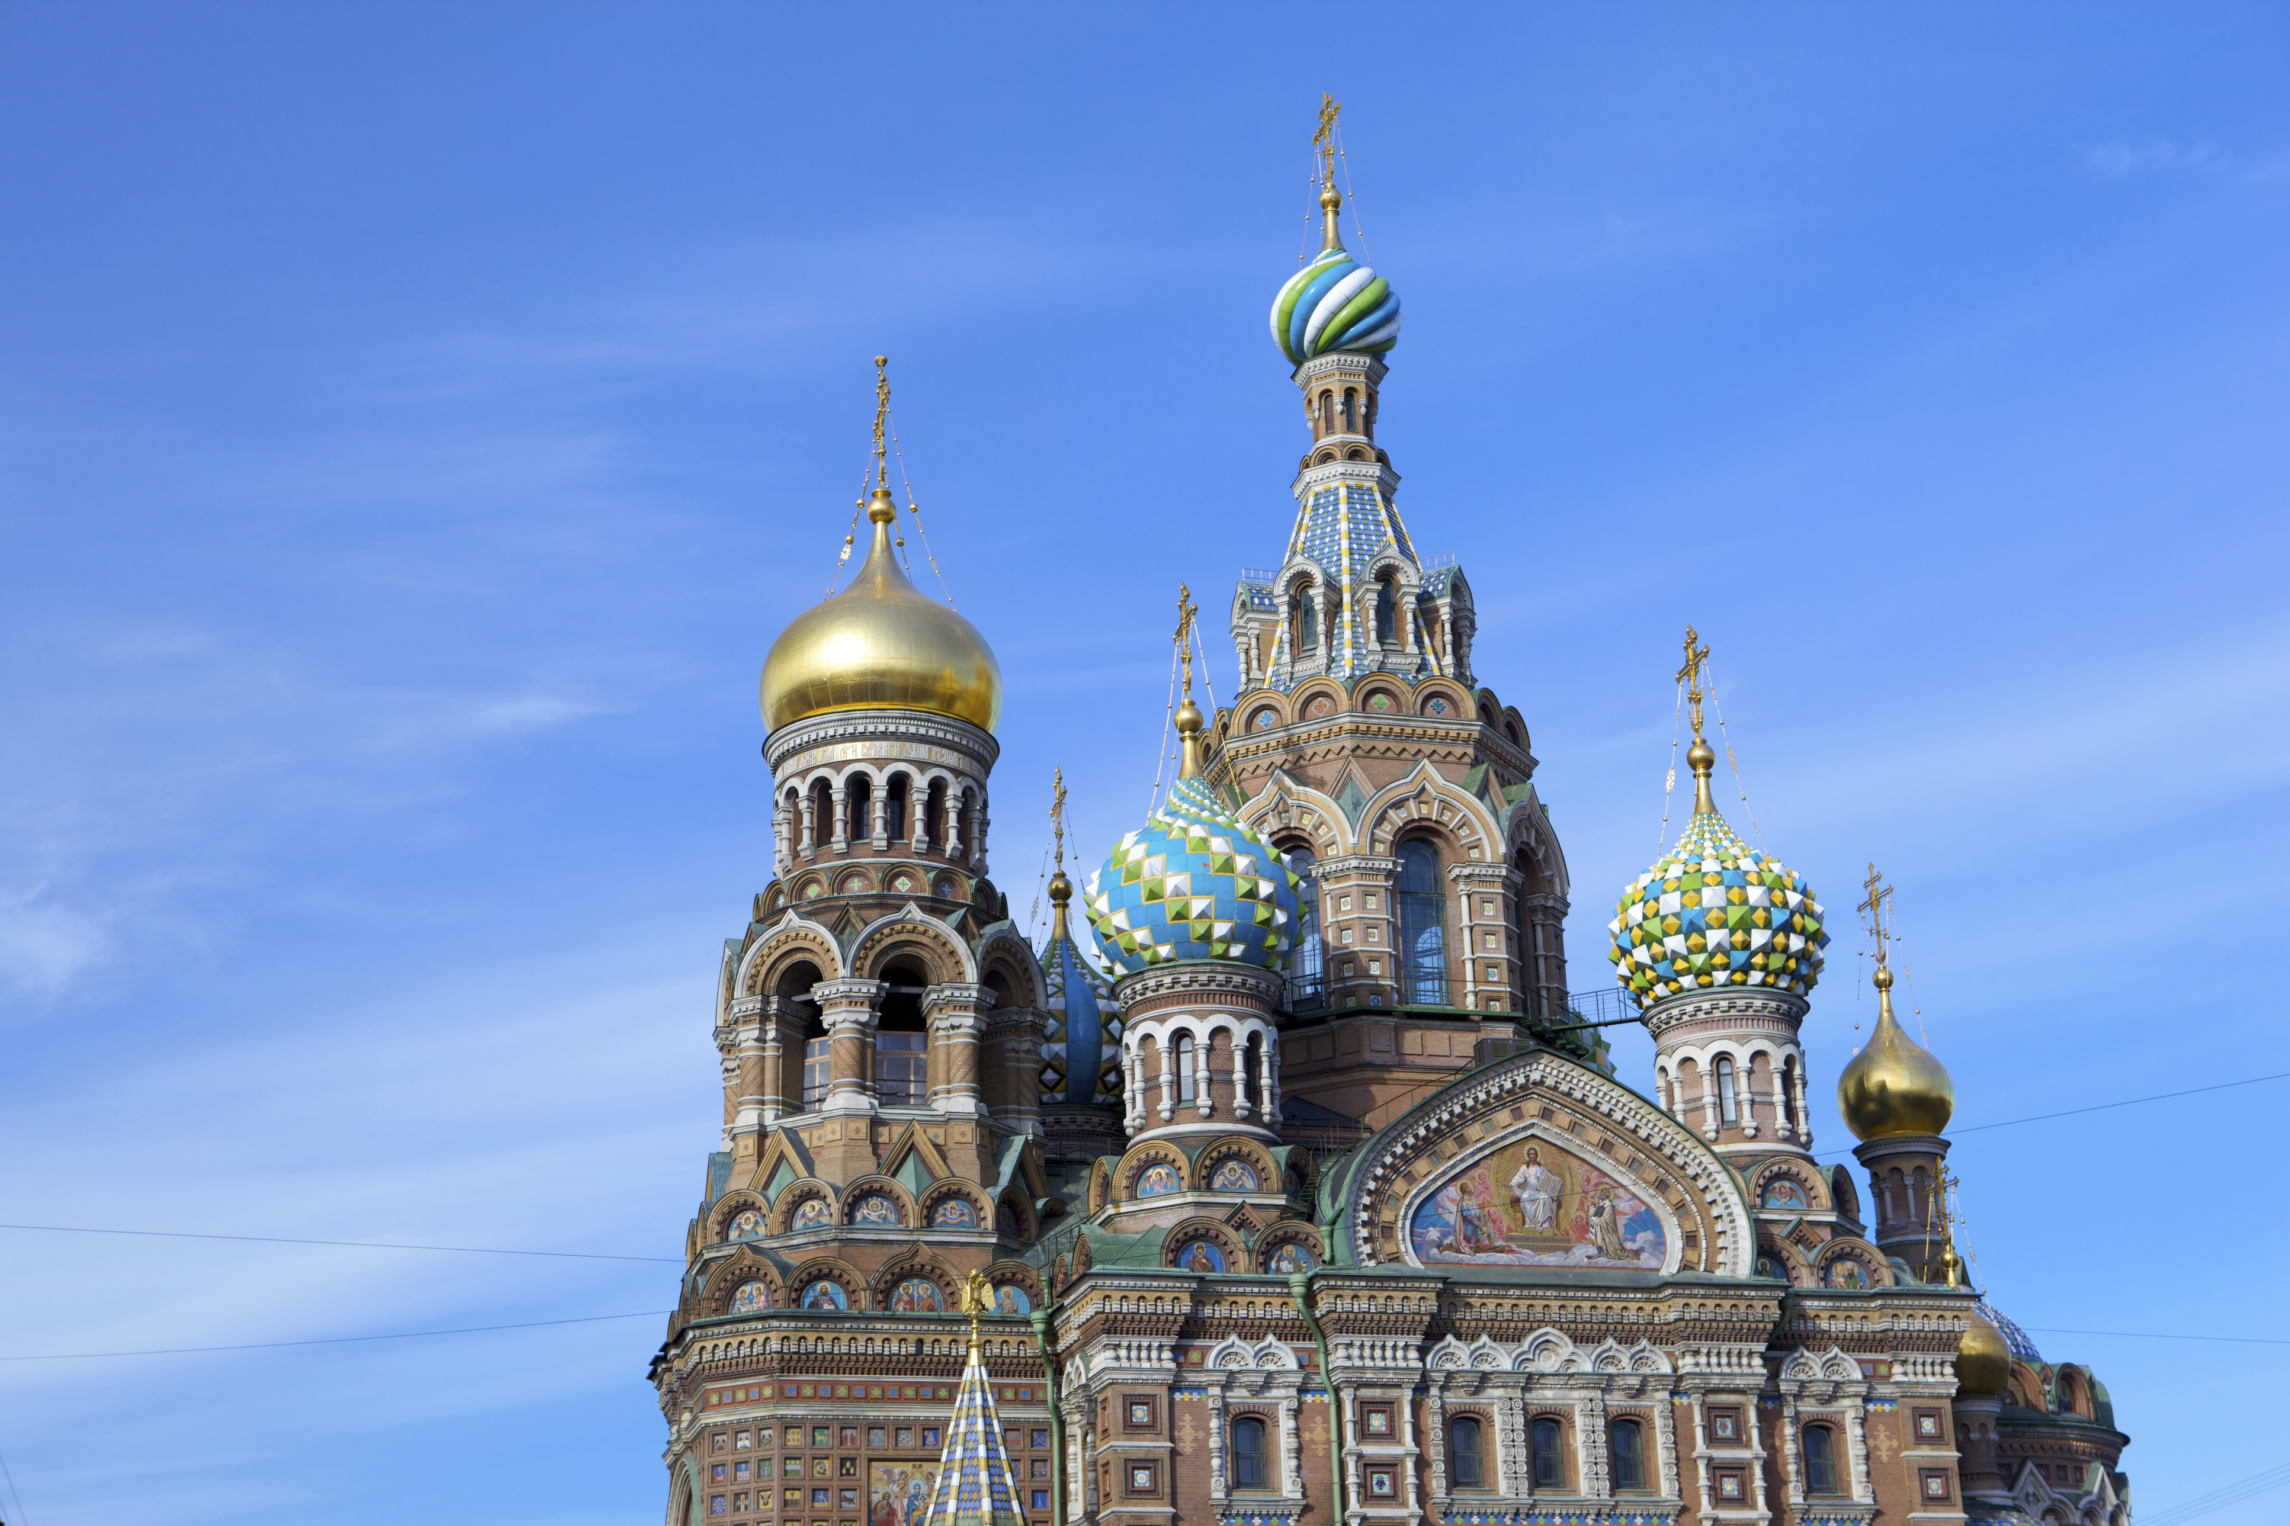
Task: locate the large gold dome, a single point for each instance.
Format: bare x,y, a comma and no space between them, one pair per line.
1983,1359
881,644
1894,1087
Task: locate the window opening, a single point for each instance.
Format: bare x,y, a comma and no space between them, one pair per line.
902,1040
1550,1471
1384,611
1726,1113
1248,1453
1820,1460
1307,989
1422,932
1185,1068
1463,1470
1626,1452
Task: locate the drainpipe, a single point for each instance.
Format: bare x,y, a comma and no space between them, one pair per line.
1041,1323
1299,1288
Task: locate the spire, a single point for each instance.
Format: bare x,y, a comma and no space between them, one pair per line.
1894,1088
1189,717
1701,758
1061,888
976,1484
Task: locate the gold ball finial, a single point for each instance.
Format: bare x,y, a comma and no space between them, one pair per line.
1882,980
881,508
1189,718
1061,889
1330,198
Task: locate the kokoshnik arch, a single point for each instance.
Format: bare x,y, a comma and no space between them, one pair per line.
1302,1196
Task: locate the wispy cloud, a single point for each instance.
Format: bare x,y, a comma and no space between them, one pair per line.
2154,156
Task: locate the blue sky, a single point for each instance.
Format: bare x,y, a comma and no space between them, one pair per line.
415,423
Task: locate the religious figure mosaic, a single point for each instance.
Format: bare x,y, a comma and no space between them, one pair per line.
1532,1204
917,1295
750,1297
954,1213
898,1493
1235,1176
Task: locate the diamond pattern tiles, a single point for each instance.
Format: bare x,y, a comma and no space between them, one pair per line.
1081,1062
976,1484
1341,526
1193,883
1714,912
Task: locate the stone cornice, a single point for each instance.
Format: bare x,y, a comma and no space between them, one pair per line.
1729,1003
1194,978
861,726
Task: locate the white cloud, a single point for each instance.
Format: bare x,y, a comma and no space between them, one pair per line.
2151,156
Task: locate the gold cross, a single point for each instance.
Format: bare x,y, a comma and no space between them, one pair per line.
882,413
1324,140
1691,676
1879,893
1186,610
1057,814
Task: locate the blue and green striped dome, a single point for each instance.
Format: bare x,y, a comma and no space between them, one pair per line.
1716,912
1335,303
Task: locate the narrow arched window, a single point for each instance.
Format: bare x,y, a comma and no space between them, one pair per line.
814,1064
1543,1447
1351,410
1248,1453
1307,623
894,810
1252,1065
1385,606
1185,1067
1789,1093
1422,911
1820,1448
859,802
1307,991
1463,1458
1727,1114
1626,1454
1327,412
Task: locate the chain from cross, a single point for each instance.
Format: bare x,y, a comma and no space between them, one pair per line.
1057,814
882,416
1324,140
1691,676
1878,894
1186,610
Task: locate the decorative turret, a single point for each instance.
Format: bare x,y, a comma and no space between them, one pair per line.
1720,945
976,1484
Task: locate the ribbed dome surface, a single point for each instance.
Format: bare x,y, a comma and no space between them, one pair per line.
1335,303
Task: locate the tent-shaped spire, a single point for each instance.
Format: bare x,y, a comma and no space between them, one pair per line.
976,1484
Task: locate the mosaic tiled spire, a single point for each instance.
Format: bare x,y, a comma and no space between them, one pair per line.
976,1486
1081,1059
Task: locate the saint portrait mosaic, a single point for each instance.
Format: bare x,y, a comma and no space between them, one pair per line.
1530,1203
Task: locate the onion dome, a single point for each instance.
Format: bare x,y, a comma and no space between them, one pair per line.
1081,1062
1715,912
1894,1087
1983,1358
881,644
1193,882
2022,1348
1335,303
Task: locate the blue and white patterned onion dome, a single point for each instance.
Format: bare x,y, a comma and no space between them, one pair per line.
2014,1337
1193,883
1716,912
1335,303
1081,1061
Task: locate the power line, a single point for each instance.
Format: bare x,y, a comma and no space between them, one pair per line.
465,1250
2096,1107
337,1340
22,1516
2219,1499
2164,1335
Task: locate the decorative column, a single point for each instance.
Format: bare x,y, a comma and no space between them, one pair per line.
1014,1035
780,1023
840,842
957,1018
850,1010
879,816
809,848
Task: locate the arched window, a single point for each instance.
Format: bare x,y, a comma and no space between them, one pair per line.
1543,1446
1327,413
1422,926
1789,1093
1351,410
814,1063
1248,1453
902,1041
1820,1447
1384,609
1307,991
894,810
1252,1065
1307,621
858,798
1184,1067
1463,1465
1626,1454
1726,1112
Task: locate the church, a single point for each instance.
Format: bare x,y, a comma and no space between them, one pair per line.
1288,1183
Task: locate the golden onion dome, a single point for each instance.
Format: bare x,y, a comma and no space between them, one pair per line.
881,644
1894,1087
1983,1359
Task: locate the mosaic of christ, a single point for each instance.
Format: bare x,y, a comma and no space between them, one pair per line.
1532,1204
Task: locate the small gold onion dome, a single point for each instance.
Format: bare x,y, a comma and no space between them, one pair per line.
881,644
1894,1087
1983,1359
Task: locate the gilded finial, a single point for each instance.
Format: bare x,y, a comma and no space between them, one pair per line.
977,1298
882,418
1324,144
1061,888
1879,893
1189,718
1699,756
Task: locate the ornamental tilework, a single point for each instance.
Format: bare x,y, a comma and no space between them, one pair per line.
1341,527
1193,883
1081,1060
1335,303
976,1485
1715,911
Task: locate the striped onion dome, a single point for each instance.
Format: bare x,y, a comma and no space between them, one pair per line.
1335,303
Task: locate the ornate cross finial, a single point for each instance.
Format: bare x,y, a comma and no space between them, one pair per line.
1878,893
882,414
977,1298
1057,814
1691,676
1186,610
1324,139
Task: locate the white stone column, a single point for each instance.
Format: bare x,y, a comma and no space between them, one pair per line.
810,844
840,841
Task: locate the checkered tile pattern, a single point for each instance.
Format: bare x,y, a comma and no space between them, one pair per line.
1193,883
976,1484
1716,912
